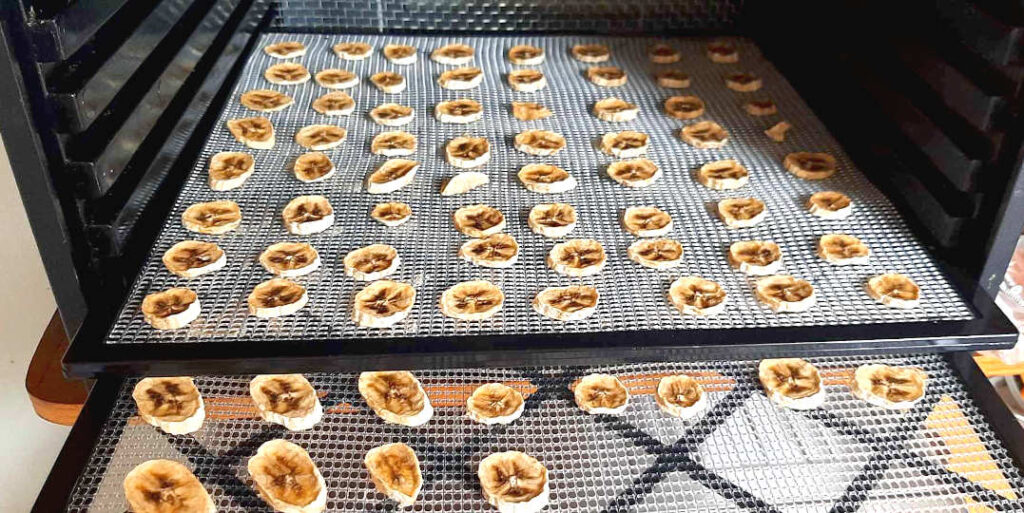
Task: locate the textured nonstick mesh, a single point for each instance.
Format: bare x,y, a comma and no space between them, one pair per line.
632,297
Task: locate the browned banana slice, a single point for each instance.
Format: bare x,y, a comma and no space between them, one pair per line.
591,53
546,179
464,110
165,486
391,176
684,107
552,219
336,78
661,53
615,110
673,79
743,82
499,250
320,137
287,479
530,111
335,103
229,170
313,167
265,100
656,253
352,50
778,131
810,166
256,133
741,212
680,396
392,114
786,293
542,143
460,79
842,249
607,76
577,257
403,55
895,290
277,297
288,400
704,135
393,144
396,397
495,403
193,258
626,144
527,80
371,262
601,394
392,213
764,107
756,257
723,175
306,215
897,388
172,404
290,259
285,50
395,472
694,295
212,218
170,309
388,82
514,482
792,383
723,52
472,300
830,205
287,73
634,173
646,221
468,152
565,304
455,54
526,55
478,221
383,303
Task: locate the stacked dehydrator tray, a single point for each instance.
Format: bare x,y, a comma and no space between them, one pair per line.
112,111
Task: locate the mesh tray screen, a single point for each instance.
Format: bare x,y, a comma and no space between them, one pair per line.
632,297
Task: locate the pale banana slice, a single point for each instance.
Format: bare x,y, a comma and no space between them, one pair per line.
530,111
402,55
760,107
895,290
320,137
656,253
313,167
171,309
468,152
285,50
478,221
391,176
392,213
212,218
383,303
704,135
288,400
287,73
495,403
842,249
463,182
591,53
165,486
393,144
472,300
526,55
673,79
626,144
265,100
684,107
336,103
352,50
527,80
743,82
830,205
723,52
723,175
392,114
565,304
306,215
546,179
778,131
193,258
756,257
395,472
635,172
455,54
514,482
786,293
810,166
336,78
694,295
577,258
462,111
229,170
372,262
256,133
461,79
276,297
615,110
290,259
791,383
552,220
680,396
287,479
742,212
542,143
388,82
601,394
661,53
607,76
396,397
897,388
172,404
646,221
497,251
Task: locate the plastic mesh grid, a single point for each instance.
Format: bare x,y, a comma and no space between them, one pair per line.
428,243
742,454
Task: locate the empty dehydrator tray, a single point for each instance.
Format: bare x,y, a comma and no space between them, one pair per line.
741,454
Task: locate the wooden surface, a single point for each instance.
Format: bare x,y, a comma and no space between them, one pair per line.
993,366
54,398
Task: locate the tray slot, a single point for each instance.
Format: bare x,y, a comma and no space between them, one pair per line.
57,38
992,37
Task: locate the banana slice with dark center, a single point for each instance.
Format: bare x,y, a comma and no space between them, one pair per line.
786,293
830,205
285,50
741,212
461,79
646,221
306,215
286,399
353,50
842,249
571,303
694,295
530,111
212,218
656,253
792,383
723,175
287,479
514,482
313,167
526,55
661,53
810,166
760,107
320,137
615,110
172,404
755,257
171,309
478,221
680,396
577,257
723,52
372,262
287,73
464,110
265,100
290,259
498,251
684,107
552,219
391,176
395,472
393,144
388,82
601,394
383,303
546,178
527,80
400,54
468,152
743,82
472,300
495,403
392,114
229,170
591,53
895,290
888,386
539,142
673,79
704,135
455,54
193,258
335,78
396,396
165,486
335,103
277,297
625,144
255,133
392,213
607,76
634,173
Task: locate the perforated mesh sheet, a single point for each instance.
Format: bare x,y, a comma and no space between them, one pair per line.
632,297
741,454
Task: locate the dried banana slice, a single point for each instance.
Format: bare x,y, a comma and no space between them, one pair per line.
527,80
287,479
335,103
615,110
193,258
171,309
478,221
601,394
396,397
897,388
646,221
290,259
335,78
723,175
680,396
256,133
287,73
463,182
552,220
778,131
472,300
755,257
383,303
495,403
393,144
661,53
392,213
286,399
165,486
402,55
607,76
810,166
591,53
673,79
684,107
285,50
634,173
388,82
463,110
723,52
265,100
391,176
786,293
791,383
830,205
542,143
212,218
230,169
313,167
514,482
371,262
460,79
455,54
760,107
392,114
173,404
704,135
530,111
526,55
741,212
577,258
743,82
498,251
352,50
306,215
895,290
320,137
656,253
626,144
276,297
694,295
468,152
842,249
395,472
572,303
546,179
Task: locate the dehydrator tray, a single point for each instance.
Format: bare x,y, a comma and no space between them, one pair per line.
741,454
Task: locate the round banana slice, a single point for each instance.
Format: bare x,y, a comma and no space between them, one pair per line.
723,52
391,176
463,182
552,220
646,221
514,482
472,300
229,170
498,251
756,257
778,131
897,388
396,397
388,82
810,166
287,73
393,144
460,79
306,215
895,290
392,114
680,396
495,403
673,79
743,82
320,137
542,143
546,179
607,76
313,167
704,135
760,107
723,175
290,259
530,111
212,218
174,405
383,303
455,54
335,103
335,78
791,383
571,303
830,205
591,53
599,394
170,309
285,50
663,54
277,297
626,144
395,472
694,295
265,100
527,80
286,399
371,262
656,253
165,486
193,258
526,55
842,249
634,173
256,133
577,257
287,479
478,221
392,213
468,152
352,51
741,212
684,107
785,293
402,55
463,111
615,110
